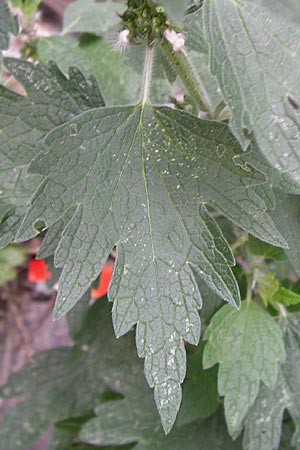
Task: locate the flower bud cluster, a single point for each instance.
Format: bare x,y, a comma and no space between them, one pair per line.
143,19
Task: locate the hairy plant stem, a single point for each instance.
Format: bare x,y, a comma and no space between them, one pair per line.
282,310
147,74
249,290
189,78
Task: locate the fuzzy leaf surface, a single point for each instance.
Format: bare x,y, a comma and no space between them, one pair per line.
248,346
51,100
136,180
264,422
255,56
286,9
195,39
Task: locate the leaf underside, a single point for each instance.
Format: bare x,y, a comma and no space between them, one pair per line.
248,346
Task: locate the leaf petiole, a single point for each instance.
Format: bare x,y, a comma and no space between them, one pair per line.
189,78
147,74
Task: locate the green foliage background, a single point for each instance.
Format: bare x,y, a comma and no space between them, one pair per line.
183,191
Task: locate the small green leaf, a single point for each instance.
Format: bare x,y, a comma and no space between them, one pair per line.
263,423
268,286
28,7
286,297
248,346
10,257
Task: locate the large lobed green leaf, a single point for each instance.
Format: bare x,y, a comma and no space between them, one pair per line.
248,346
255,56
264,422
136,176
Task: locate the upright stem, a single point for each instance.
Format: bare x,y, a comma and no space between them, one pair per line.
189,78
283,312
148,65
249,291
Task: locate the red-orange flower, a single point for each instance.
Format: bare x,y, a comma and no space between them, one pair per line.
104,281
38,271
